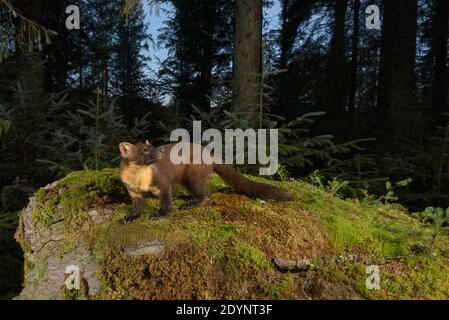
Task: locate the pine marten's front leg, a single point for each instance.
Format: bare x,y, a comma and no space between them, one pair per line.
138,201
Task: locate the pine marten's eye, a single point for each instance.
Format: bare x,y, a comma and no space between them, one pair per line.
146,151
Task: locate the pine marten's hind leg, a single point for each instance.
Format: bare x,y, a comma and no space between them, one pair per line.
165,201
197,187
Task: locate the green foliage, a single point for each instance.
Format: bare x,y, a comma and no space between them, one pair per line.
299,150
390,195
11,262
297,147
330,186
131,6
90,139
61,136
361,170
52,136
435,216
282,173
427,162
27,34
30,124
14,195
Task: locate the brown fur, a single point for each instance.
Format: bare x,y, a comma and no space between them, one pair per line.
145,169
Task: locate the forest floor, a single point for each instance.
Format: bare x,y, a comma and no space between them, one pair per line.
318,246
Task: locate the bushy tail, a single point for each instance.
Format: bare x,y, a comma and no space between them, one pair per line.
250,188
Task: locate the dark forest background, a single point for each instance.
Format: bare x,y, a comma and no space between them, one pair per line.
366,107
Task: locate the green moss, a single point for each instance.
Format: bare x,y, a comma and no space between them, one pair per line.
45,209
74,195
381,233
410,278
28,263
42,265
347,235
68,245
281,289
246,257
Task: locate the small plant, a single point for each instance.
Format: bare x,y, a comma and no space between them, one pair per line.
437,217
390,196
282,173
332,186
335,185
4,126
434,216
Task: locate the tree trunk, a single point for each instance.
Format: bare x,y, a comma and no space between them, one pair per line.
247,62
285,50
293,13
58,52
354,56
80,58
334,90
205,81
30,69
440,81
397,68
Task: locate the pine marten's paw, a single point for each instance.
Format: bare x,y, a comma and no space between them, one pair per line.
195,203
129,219
159,215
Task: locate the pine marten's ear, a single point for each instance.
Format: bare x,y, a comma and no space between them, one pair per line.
147,143
125,149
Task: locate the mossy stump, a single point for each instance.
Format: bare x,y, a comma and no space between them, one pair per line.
227,249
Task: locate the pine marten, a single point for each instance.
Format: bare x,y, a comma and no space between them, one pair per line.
147,169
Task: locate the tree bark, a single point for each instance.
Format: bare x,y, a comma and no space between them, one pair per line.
285,35
293,13
58,52
440,80
285,50
205,80
30,69
397,68
334,91
354,56
247,62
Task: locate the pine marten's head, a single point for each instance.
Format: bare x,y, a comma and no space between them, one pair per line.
140,153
